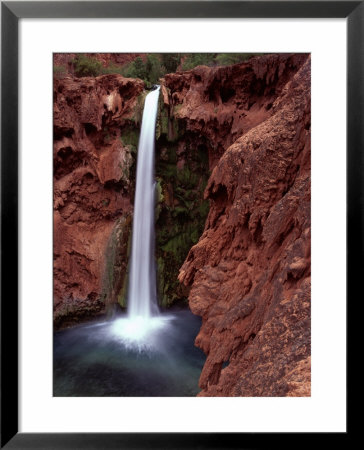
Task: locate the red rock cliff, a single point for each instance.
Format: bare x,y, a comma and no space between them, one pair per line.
92,187
219,104
250,271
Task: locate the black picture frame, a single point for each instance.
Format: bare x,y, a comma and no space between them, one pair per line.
11,12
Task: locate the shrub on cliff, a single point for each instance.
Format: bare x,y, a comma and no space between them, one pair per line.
86,66
149,70
136,69
112,68
198,59
170,61
153,68
192,60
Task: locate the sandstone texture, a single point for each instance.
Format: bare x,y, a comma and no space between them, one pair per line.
232,209
202,112
219,104
94,158
249,274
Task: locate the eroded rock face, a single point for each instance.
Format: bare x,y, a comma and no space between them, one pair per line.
250,271
222,103
248,276
95,124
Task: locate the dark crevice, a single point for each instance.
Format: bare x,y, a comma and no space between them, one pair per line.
90,128
282,236
114,185
258,233
225,364
226,94
61,132
67,160
219,196
290,280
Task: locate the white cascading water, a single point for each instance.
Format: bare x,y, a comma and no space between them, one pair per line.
142,296
143,322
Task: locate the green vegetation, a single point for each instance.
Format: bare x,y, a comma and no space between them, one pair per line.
112,68
159,192
59,71
130,138
149,70
136,69
159,197
180,211
169,127
162,124
115,278
86,66
192,60
151,66
170,61
123,294
227,59
138,110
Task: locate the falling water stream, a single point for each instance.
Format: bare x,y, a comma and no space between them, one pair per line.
143,321
142,298
144,352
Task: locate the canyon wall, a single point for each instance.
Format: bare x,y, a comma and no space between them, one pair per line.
202,112
96,128
232,211
249,273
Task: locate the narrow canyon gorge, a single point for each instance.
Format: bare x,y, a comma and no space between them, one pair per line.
232,210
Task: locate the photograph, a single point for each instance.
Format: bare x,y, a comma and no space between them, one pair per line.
181,219
181,225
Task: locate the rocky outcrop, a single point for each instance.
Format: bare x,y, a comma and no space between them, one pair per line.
219,104
233,183
202,111
96,127
249,274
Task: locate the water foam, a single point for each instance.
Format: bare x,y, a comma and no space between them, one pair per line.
141,332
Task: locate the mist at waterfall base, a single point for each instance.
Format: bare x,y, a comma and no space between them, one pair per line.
94,360
144,352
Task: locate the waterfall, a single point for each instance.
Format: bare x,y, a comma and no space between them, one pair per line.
143,325
142,295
